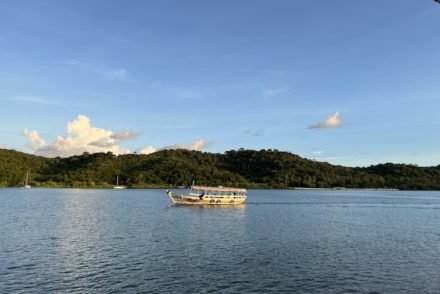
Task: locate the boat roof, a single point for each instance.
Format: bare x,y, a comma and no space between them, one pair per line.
220,188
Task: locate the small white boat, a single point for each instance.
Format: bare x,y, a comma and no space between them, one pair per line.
117,184
26,185
203,195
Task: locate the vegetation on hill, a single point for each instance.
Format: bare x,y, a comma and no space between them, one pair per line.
407,176
173,168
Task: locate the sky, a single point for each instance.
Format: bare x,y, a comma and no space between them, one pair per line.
352,83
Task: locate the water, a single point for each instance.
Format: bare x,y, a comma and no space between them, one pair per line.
113,241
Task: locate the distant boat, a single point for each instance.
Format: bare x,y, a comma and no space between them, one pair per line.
117,184
26,185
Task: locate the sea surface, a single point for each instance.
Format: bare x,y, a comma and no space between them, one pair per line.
281,241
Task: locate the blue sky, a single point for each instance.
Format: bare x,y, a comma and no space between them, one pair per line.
349,82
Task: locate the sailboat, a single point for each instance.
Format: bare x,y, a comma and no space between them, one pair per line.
117,184
26,185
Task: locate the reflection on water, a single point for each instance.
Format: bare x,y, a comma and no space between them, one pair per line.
80,230
238,210
71,240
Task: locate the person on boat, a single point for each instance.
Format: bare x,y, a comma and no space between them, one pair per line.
201,195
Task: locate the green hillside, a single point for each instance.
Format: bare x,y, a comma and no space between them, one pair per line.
241,168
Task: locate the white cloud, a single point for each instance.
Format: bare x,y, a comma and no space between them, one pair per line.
332,121
103,142
112,74
125,135
197,145
81,137
34,139
148,150
33,99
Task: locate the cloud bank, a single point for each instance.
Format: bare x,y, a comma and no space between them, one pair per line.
332,121
197,145
34,140
83,137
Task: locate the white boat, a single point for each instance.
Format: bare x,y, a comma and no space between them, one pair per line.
203,195
117,184
26,185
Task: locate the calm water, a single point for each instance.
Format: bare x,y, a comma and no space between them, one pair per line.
67,240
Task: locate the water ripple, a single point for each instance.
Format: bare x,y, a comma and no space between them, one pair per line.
76,241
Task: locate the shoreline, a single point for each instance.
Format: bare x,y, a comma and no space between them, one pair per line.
254,188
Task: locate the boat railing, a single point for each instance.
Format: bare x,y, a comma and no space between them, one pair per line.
216,193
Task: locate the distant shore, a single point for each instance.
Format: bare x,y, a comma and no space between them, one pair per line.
348,189
252,169
252,188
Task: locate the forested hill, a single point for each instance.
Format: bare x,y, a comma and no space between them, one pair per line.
239,168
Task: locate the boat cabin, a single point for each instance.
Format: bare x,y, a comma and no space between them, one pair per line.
217,192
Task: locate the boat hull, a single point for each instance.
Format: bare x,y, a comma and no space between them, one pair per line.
206,200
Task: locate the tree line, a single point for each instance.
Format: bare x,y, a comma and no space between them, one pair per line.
178,168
